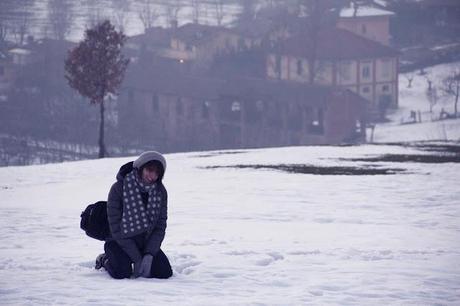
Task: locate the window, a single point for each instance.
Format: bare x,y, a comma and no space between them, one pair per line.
299,67
236,106
155,103
358,127
278,65
385,88
345,71
259,105
179,107
295,117
366,72
366,90
317,121
241,44
205,109
386,68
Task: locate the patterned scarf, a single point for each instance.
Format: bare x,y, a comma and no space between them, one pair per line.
138,217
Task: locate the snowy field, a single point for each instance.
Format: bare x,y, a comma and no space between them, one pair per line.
245,236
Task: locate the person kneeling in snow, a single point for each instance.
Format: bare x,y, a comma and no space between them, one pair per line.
137,214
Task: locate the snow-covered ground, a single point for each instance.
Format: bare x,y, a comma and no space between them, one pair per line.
415,99
241,236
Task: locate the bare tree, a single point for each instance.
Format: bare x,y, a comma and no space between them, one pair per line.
247,14
60,15
3,31
218,8
172,9
20,27
121,8
148,14
409,77
14,19
451,87
95,12
356,4
432,96
196,6
318,13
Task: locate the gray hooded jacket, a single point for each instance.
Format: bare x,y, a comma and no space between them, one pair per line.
148,242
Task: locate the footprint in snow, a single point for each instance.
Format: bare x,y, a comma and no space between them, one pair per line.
316,292
239,253
86,264
186,267
224,274
323,220
273,256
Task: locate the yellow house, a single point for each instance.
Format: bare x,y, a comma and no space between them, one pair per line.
369,22
342,59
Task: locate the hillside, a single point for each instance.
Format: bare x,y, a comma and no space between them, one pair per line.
401,129
328,226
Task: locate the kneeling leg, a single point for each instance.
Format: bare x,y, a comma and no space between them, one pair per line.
161,268
118,263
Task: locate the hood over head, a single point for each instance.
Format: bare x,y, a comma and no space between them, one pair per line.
149,156
141,161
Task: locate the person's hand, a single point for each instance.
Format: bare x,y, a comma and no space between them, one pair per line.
146,265
137,269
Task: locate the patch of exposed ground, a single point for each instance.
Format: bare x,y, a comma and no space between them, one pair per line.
212,154
320,170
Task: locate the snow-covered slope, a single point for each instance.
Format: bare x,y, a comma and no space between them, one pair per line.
415,99
244,236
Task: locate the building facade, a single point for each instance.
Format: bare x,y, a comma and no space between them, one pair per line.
369,22
187,113
342,59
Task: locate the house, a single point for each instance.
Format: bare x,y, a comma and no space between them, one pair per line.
21,55
179,112
6,71
343,59
370,22
147,46
199,43
192,45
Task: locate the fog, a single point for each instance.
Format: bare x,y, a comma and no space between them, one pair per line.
213,74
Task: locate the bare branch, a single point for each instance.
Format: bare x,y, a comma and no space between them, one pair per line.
148,15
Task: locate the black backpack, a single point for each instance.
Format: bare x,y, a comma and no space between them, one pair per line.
94,221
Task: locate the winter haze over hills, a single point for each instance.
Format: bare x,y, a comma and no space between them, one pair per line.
243,230
376,223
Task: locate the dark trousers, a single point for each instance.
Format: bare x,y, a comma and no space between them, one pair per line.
118,263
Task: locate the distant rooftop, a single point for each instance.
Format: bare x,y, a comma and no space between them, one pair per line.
335,43
364,11
198,33
20,51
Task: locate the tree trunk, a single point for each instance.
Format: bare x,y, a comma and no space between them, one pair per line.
101,131
457,93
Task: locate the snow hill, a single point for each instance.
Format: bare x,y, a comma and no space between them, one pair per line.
252,234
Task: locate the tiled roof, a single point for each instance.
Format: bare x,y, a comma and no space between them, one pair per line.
335,44
156,36
198,33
